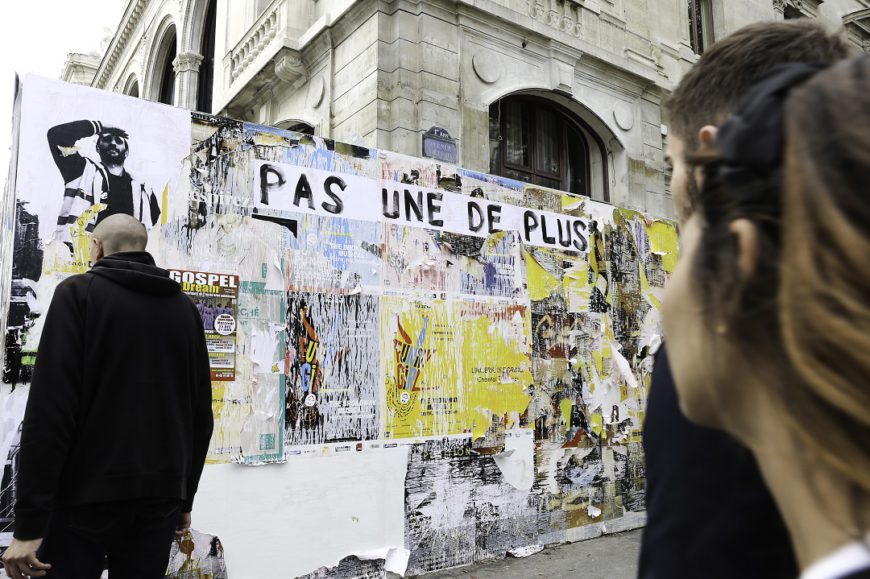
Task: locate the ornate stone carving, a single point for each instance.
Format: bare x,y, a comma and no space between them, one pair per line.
554,18
187,62
290,68
560,14
808,8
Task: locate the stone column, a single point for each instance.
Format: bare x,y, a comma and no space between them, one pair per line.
186,67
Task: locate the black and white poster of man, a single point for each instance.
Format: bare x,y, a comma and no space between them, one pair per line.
100,156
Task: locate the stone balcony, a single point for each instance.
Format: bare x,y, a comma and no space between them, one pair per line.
268,55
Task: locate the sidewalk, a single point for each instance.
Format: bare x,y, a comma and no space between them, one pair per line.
607,557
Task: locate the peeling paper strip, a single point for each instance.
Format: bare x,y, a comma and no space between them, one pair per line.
517,462
264,346
526,551
622,365
395,558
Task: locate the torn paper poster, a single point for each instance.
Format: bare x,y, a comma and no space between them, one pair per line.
467,351
395,558
196,556
526,551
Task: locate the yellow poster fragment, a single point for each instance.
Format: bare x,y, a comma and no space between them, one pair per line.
421,367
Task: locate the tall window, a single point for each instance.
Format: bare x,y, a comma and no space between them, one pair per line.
254,9
700,25
167,74
131,86
206,69
536,141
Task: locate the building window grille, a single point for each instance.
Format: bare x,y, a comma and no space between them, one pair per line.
536,141
700,25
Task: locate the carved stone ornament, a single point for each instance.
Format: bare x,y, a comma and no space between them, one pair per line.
187,62
316,91
623,116
559,14
806,8
485,67
290,68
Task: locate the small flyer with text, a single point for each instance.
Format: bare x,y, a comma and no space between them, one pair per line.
216,298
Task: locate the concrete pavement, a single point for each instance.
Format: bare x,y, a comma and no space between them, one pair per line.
607,557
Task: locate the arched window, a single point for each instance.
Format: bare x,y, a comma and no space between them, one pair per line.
166,70
132,87
296,127
206,69
539,142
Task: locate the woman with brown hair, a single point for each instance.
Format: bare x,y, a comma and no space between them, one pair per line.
768,314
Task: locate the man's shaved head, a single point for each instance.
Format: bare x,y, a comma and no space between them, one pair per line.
121,232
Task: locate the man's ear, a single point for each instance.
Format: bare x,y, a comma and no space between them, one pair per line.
744,232
707,137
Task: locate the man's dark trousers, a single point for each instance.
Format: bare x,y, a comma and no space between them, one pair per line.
134,535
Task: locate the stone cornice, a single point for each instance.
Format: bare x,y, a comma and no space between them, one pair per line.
859,18
132,15
806,7
857,25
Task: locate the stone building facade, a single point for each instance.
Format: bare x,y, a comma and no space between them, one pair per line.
563,93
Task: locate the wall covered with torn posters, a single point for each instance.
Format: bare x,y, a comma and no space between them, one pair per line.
435,366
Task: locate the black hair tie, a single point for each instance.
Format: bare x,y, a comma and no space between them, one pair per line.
751,140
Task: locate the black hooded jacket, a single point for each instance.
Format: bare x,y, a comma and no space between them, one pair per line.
120,403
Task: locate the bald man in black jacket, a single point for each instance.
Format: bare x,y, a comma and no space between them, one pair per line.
118,419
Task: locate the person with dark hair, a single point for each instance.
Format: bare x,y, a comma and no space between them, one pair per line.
698,475
118,419
772,288
108,182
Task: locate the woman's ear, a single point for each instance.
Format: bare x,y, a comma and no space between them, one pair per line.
744,232
707,137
